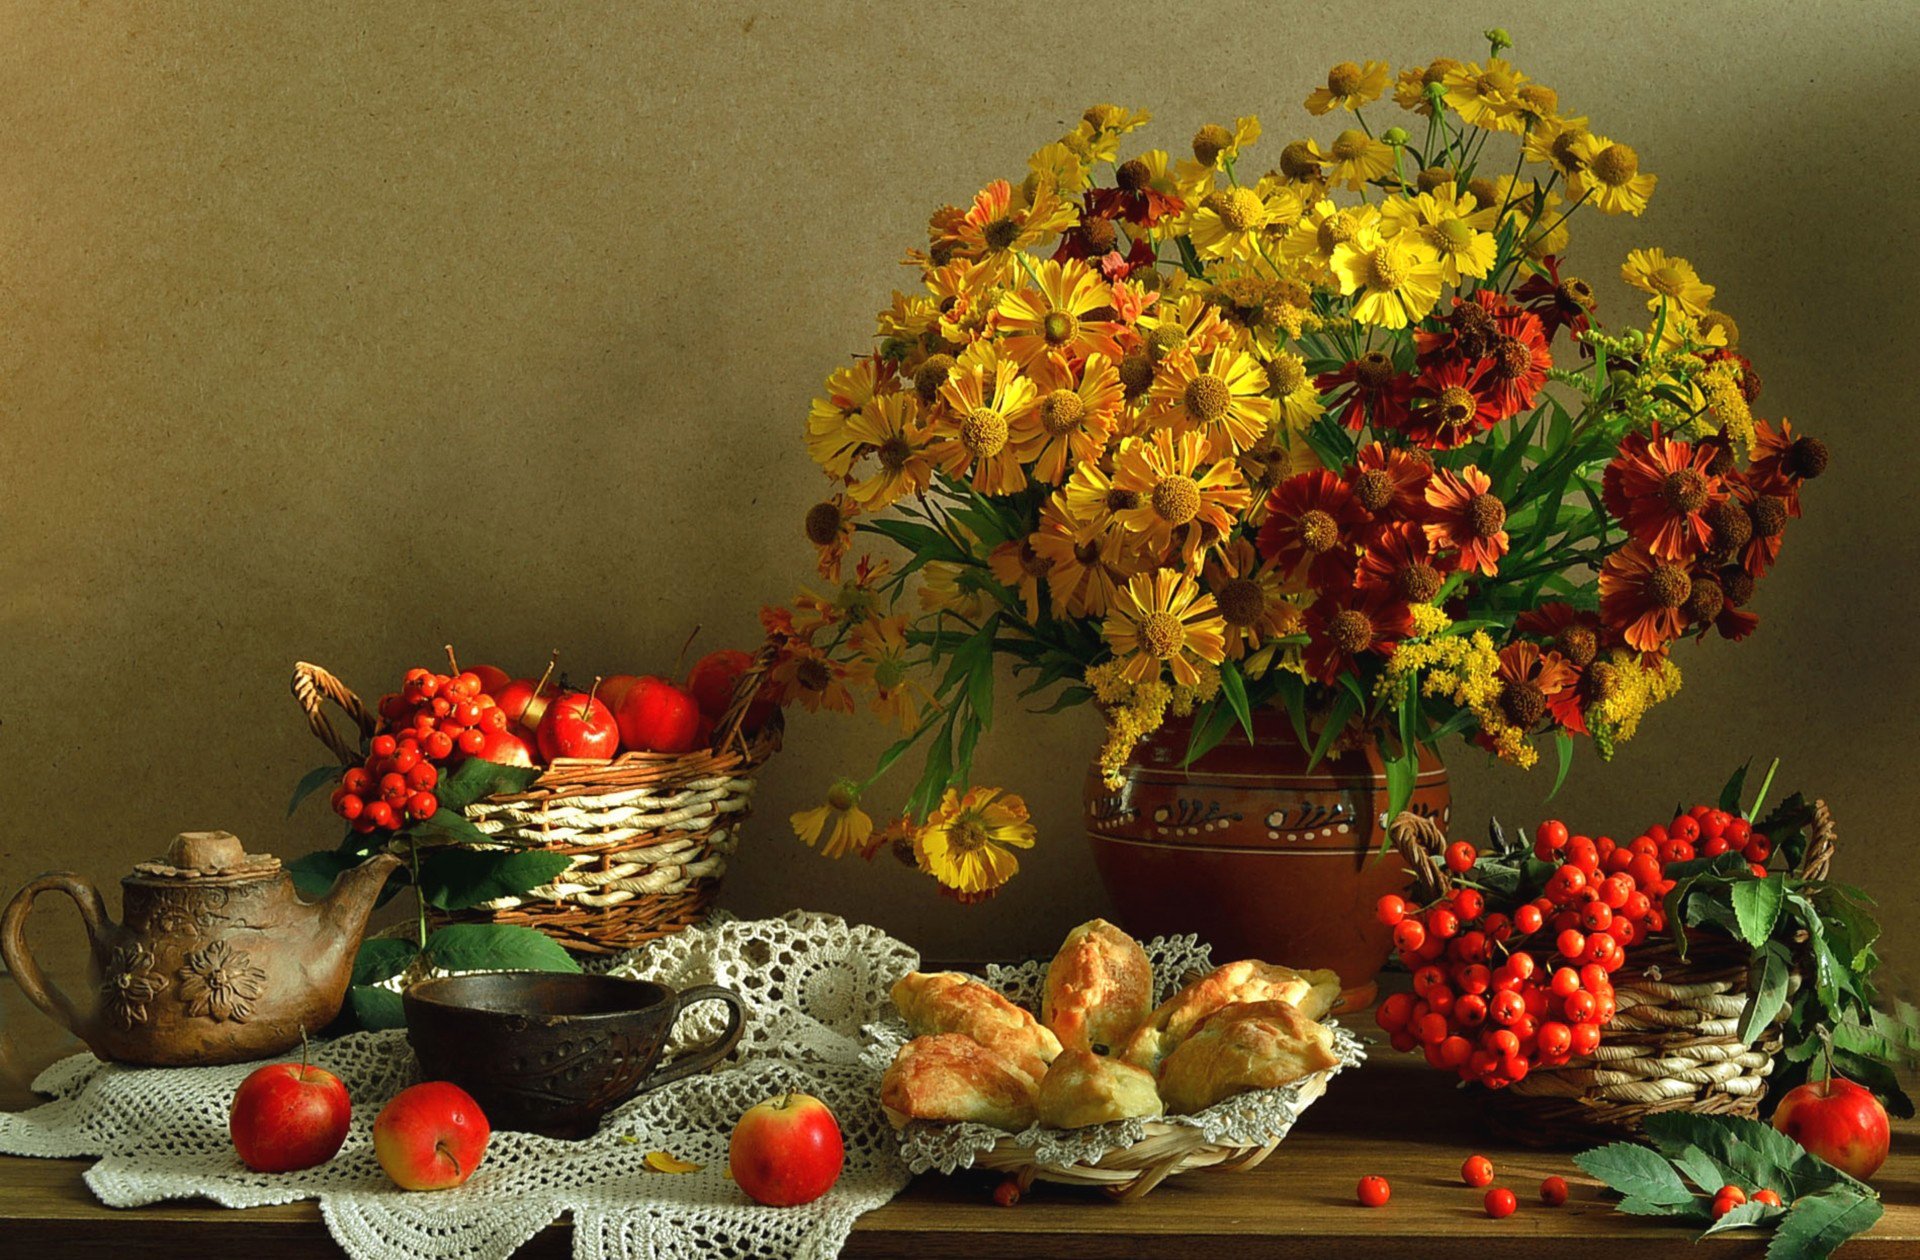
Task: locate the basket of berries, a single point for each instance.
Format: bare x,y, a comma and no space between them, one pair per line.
1586,984
603,817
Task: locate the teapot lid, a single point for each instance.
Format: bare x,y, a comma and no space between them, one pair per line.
209,856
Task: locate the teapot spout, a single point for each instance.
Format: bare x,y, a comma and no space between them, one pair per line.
343,911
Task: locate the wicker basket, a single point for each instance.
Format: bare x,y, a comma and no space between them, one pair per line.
649,834
1672,1044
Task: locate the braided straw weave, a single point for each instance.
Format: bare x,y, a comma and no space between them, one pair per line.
1672,1044
649,834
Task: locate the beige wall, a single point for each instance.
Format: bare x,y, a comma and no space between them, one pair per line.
337,335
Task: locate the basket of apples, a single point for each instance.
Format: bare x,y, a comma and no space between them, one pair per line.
603,816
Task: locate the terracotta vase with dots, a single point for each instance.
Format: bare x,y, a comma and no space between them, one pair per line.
1254,853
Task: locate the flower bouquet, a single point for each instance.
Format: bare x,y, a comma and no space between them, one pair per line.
1335,430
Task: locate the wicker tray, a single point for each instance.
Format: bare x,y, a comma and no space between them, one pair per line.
649,834
1672,1044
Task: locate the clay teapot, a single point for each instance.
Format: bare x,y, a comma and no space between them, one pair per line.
218,960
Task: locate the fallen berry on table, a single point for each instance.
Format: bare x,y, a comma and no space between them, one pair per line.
1477,1171
1553,1191
1767,1196
1374,1192
1501,1203
1007,1193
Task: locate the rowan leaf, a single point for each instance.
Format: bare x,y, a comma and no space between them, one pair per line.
1637,1173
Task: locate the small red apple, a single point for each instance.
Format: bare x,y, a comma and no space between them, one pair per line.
1841,1122
713,680
431,1136
289,1116
657,716
525,701
509,748
786,1151
614,689
492,678
578,725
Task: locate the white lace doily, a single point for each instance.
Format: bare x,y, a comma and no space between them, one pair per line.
811,984
1250,1119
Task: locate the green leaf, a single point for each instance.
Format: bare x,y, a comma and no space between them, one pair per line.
1746,1216
1343,709
1234,688
476,778
1816,1226
382,958
374,1009
1702,1169
1210,727
447,826
1636,1172
461,878
314,873
1563,754
1066,698
1767,995
1735,788
312,781
1401,772
1756,903
496,947
980,690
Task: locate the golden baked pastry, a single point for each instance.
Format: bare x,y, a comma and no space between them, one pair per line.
952,1077
1083,1088
1313,993
948,1002
1099,988
1246,1045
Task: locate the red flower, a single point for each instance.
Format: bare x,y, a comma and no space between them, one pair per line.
1641,597
1767,515
1467,331
1389,481
1531,680
1350,620
1559,303
1783,462
1517,366
1378,395
1576,635
1452,403
1398,557
1661,490
1461,514
1312,521
1135,200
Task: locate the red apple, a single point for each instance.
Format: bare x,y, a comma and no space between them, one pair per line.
713,680
578,725
289,1116
510,747
492,678
786,1151
525,701
431,1136
1841,1122
657,716
614,689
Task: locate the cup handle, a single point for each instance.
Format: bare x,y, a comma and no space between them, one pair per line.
20,961
689,1062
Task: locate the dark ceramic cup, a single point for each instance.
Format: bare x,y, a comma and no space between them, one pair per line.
553,1053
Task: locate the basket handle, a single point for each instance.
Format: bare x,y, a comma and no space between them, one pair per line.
1818,859
1420,842
746,689
312,686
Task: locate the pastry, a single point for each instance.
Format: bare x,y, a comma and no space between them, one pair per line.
1313,993
1083,1088
1099,988
952,1077
948,1002
1246,1045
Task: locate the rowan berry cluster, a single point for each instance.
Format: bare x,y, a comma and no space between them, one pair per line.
432,722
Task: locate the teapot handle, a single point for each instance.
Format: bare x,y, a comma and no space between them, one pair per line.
20,961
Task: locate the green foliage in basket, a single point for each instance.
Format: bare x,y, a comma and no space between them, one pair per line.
1693,1156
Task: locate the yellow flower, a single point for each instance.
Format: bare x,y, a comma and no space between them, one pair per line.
1611,173
1486,97
1133,711
997,223
1252,603
1410,90
1018,566
887,428
879,646
1224,401
1322,229
946,587
1555,142
808,675
1449,222
1296,399
1164,620
984,397
1667,276
1053,321
1061,166
1349,86
1084,561
1358,158
1230,222
1187,321
841,821
1101,127
1629,689
829,527
1394,281
849,389
1072,423
1174,498
1214,146
967,843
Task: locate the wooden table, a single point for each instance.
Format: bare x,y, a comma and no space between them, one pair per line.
1392,1117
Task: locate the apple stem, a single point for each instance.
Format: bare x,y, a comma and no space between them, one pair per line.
680,660
440,1148
587,708
553,660
303,1052
452,663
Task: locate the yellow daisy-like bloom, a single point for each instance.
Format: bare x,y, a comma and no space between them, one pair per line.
946,587
888,428
1682,333
841,821
829,527
1269,465
1214,146
808,675
1348,87
983,399
908,318
1085,562
1410,90
1449,222
1393,280
1486,97
967,843
1072,423
1251,600
1101,127
997,223
1177,494
1163,620
1040,325
1021,568
1553,141
1358,158
1060,165
1322,229
1611,173
1230,222
849,389
1091,498
1224,400
1296,399
1667,276
1186,322
879,646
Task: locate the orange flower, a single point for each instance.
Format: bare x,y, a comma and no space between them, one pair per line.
1530,683
1399,556
806,674
1312,525
1051,325
1390,482
1641,597
1464,516
1072,423
1349,620
1661,491
984,397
